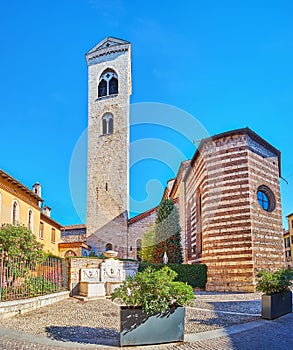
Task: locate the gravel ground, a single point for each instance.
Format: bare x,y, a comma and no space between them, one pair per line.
98,321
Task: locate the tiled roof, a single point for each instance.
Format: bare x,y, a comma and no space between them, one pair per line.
74,227
17,183
142,215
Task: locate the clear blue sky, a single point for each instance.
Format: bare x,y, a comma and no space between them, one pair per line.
227,63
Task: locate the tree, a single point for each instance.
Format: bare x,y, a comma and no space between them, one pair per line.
167,233
19,244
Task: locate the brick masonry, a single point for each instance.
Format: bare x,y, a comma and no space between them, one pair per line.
224,223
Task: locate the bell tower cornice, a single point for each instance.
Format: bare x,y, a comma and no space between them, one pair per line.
107,46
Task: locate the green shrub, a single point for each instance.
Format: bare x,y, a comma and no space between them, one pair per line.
155,291
274,282
31,287
36,286
195,275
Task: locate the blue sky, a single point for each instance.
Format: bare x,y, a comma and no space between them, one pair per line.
227,63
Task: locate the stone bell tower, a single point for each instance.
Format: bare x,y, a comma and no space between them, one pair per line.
109,90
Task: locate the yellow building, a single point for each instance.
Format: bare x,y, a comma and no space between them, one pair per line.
287,244
21,206
290,237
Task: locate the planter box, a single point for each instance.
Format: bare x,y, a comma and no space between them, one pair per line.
276,305
137,328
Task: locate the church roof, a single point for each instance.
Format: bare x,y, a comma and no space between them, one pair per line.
244,131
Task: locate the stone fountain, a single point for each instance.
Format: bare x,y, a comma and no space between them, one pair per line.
101,280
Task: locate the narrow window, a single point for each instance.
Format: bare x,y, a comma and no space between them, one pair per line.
30,220
113,86
110,126
53,235
107,124
41,232
15,213
102,88
0,205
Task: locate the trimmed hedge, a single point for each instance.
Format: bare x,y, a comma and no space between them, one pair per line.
195,275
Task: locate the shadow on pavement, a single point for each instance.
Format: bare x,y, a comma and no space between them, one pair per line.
85,335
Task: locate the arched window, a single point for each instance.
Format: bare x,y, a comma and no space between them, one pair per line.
109,247
102,88
108,84
15,213
30,221
108,124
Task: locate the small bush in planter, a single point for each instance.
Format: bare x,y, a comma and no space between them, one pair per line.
278,282
154,291
277,298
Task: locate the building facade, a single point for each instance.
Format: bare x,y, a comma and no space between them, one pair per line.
20,205
287,245
288,241
109,90
228,194
73,241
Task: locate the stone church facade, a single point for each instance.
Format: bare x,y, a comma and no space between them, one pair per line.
228,194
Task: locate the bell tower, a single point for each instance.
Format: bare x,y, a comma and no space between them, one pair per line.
109,90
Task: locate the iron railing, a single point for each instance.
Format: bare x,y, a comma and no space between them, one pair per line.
21,280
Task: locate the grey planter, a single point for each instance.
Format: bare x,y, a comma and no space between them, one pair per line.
137,328
276,305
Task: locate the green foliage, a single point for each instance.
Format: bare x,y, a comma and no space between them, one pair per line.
20,242
148,245
31,287
93,254
154,291
274,282
51,255
167,233
38,286
195,275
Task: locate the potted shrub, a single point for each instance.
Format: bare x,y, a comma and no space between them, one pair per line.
277,297
154,311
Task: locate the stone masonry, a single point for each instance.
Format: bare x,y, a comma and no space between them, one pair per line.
228,194
107,194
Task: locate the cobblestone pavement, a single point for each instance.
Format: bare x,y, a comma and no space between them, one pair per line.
215,321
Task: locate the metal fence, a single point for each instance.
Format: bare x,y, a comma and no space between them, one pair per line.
22,280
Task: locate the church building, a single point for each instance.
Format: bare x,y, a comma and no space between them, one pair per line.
228,194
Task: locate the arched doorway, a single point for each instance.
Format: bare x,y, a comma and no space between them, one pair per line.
69,253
